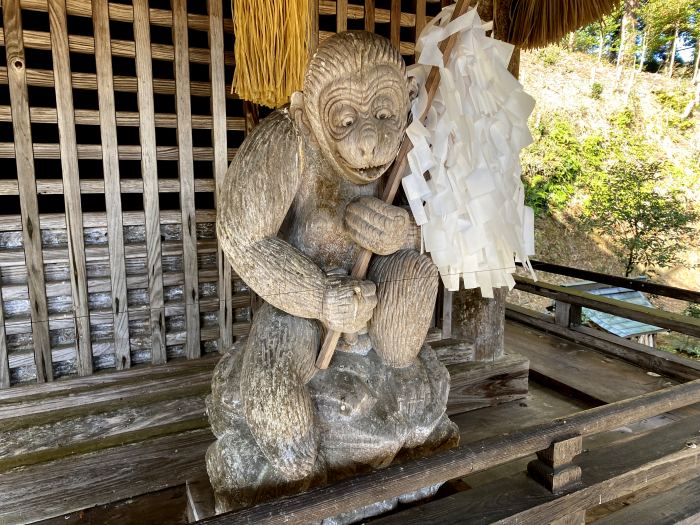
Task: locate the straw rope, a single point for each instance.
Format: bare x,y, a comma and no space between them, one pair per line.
271,48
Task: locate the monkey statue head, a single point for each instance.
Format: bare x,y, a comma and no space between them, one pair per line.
355,104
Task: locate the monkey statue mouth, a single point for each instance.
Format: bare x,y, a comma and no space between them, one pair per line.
365,174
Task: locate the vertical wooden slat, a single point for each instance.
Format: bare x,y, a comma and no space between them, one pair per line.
71,183
110,166
149,173
420,17
313,26
186,172
218,112
341,15
395,23
369,15
4,362
24,159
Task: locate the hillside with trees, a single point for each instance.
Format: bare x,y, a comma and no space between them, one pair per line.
614,170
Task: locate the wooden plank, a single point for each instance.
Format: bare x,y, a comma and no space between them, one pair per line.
125,13
481,384
112,184
99,219
71,484
341,16
395,480
16,72
648,358
676,322
624,282
71,183
610,472
200,499
4,362
579,368
395,24
33,412
55,186
124,48
91,117
161,86
219,141
149,172
85,434
126,152
678,506
369,15
356,12
162,506
106,380
186,176
314,34
420,17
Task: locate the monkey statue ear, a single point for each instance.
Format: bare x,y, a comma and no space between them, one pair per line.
298,113
413,88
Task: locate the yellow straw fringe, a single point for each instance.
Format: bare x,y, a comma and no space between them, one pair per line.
271,48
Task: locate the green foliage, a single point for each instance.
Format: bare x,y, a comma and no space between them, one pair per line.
552,164
692,310
596,90
647,223
550,55
674,102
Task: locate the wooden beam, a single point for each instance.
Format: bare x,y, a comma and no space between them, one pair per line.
370,13
71,182
149,173
4,362
395,24
624,282
126,152
341,16
112,185
676,322
31,235
218,111
186,175
395,480
91,117
124,48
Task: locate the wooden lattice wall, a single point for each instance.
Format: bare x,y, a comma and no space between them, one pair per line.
116,125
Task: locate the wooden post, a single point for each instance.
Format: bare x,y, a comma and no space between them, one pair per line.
26,182
553,467
566,314
219,141
185,164
4,363
110,167
480,320
149,173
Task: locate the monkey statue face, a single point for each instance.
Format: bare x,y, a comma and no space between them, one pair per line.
355,104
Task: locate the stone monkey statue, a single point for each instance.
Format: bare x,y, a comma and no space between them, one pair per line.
298,202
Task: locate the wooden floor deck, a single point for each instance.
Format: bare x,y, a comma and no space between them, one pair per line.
138,477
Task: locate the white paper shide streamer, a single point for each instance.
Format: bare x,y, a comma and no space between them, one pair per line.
471,210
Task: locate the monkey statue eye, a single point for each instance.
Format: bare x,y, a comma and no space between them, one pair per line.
383,114
347,121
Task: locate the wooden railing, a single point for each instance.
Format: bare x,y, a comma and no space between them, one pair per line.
468,459
566,321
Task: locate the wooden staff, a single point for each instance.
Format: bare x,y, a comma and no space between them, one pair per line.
359,270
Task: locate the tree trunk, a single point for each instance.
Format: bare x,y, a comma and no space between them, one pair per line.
696,68
627,35
695,101
672,58
572,41
642,56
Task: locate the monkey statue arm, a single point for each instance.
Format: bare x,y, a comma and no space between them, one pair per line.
256,195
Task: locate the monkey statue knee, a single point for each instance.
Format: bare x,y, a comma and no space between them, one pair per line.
298,203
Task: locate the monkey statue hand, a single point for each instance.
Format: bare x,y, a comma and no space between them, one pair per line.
376,225
348,303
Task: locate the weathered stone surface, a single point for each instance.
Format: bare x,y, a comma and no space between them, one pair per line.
368,414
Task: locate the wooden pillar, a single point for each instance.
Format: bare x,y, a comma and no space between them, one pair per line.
553,467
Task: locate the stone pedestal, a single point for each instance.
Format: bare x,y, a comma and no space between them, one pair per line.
368,415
